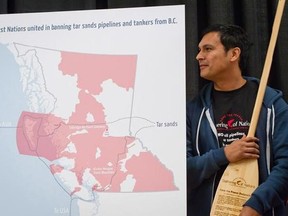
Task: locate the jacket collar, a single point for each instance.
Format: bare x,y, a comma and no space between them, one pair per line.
270,94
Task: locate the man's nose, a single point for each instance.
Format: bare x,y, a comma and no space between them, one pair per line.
199,56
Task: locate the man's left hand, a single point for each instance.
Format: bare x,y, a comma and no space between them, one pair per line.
248,211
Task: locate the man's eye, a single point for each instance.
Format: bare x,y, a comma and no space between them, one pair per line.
205,49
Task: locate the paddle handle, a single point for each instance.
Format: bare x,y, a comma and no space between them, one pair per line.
266,69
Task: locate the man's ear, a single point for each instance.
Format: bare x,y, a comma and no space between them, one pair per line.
235,54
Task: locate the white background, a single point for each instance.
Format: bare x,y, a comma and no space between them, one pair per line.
159,93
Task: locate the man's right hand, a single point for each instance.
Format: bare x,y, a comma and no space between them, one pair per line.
244,148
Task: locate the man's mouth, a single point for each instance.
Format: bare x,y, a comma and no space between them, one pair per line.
202,66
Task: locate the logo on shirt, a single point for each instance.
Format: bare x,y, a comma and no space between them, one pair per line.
232,121
231,127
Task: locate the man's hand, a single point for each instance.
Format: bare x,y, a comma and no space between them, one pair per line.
244,148
248,211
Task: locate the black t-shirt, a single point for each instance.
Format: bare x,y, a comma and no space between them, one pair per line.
232,115
233,112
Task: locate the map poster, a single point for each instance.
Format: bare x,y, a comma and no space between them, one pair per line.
92,113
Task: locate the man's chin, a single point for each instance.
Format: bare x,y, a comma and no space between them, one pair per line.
205,76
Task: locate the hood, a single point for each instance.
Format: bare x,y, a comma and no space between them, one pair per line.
271,95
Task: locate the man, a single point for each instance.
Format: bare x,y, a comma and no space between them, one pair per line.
217,124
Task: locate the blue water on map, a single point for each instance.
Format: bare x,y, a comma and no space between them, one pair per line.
26,185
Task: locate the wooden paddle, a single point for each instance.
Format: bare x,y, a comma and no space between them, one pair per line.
240,179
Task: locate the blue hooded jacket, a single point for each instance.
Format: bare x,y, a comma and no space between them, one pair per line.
205,157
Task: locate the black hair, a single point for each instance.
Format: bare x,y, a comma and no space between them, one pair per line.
233,36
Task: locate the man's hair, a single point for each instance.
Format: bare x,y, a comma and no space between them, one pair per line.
233,36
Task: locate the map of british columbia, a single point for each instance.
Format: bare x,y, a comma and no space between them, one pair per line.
79,122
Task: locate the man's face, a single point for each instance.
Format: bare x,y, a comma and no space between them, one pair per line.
213,59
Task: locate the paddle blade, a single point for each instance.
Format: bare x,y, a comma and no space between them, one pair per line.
235,187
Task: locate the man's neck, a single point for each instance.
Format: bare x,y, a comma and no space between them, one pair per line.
229,85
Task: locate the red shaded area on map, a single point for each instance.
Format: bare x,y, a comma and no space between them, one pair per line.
121,69
94,150
46,136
